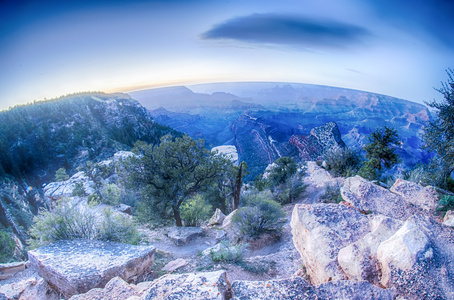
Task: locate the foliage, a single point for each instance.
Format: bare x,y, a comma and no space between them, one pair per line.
195,210
331,194
79,190
446,203
173,171
260,215
7,247
67,221
60,175
47,134
283,169
111,194
380,152
439,135
228,252
285,180
343,162
117,228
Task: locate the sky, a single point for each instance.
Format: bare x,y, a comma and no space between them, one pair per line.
51,48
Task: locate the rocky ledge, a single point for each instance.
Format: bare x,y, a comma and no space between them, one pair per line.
75,267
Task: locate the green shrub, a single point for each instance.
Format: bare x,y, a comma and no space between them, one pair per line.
228,252
60,175
79,190
117,228
67,221
195,210
111,194
343,162
7,247
332,194
446,203
259,216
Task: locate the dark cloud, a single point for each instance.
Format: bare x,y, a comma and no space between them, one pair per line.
288,30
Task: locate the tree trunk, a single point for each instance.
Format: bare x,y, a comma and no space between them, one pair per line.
237,188
177,216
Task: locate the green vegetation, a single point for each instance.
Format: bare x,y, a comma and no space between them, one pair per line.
261,214
446,203
7,247
67,221
173,171
228,252
380,152
439,134
343,162
331,194
60,175
195,210
285,180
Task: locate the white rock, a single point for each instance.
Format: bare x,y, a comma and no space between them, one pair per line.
229,151
402,250
423,197
448,220
174,265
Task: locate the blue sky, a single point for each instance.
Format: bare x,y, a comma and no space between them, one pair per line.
51,48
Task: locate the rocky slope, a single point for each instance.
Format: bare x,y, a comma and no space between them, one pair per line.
376,244
37,139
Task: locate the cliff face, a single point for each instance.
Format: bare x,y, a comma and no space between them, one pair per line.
271,113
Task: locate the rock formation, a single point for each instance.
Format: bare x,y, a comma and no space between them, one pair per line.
320,140
74,267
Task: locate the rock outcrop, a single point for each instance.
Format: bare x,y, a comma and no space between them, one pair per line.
321,139
368,197
320,231
74,267
217,218
229,151
448,219
59,189
393,240
9,270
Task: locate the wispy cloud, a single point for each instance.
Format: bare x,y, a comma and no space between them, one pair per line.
288,30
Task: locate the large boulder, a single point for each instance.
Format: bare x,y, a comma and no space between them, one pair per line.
369,197
182,235
403,250
217,218
206,285
423,197
320,231
75,267
298,288
359,259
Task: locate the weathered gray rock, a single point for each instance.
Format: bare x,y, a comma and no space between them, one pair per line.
423,197
75,267
207,285
359,259
217,218
60,189
355,290
298,288
320,231
116,288
448,219
27,286
174,265
9,270
227,223
403,250
368,197
289,288
182,235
